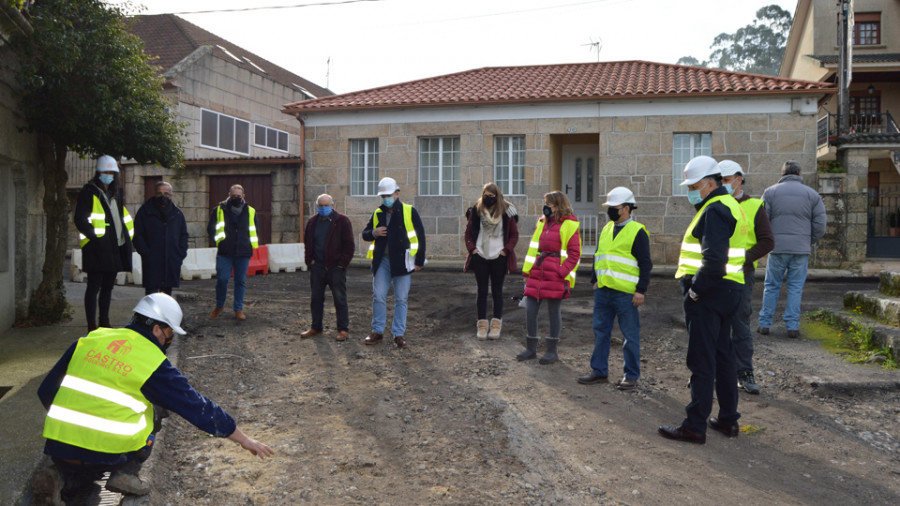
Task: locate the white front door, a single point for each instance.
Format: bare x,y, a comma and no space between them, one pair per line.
579,183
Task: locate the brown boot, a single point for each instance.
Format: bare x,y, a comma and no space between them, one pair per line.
215,313
481,331
496,326
240,315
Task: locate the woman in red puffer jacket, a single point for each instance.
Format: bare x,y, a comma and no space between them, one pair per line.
550,265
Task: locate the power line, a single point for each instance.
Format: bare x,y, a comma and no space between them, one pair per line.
271,7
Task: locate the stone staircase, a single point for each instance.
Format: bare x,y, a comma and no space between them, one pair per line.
879,309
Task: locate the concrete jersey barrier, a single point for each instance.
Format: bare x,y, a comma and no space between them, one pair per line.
200,263
286,257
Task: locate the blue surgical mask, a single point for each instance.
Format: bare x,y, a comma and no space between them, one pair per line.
107,179
728,188
387,201
694,197
324,210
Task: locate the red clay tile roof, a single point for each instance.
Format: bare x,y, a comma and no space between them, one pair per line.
171,39
562,83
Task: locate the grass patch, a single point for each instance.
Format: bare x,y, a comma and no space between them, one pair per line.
849,338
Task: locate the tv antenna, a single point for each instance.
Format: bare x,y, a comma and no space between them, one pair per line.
596,45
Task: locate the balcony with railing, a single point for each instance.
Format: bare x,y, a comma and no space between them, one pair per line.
859,125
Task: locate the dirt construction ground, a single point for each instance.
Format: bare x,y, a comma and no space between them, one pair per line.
454,420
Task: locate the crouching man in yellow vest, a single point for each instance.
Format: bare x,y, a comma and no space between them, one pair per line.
710,270
621,274
100,398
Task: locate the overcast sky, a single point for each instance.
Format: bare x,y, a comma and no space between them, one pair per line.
373,43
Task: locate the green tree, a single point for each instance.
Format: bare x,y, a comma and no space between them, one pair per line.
86,86
756,48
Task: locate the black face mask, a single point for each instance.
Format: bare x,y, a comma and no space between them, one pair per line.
162,201
235,201
547,211
613,213
488,201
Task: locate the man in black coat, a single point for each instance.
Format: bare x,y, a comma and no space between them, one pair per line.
105,229
161,238
329,248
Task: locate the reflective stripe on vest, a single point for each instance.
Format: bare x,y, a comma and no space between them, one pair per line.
691,258
407,223
566,231
98,221
751,207
220,226
614,264
99,405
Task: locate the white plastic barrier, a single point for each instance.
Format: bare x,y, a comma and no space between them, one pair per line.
286,257
137,270
75,265
200,262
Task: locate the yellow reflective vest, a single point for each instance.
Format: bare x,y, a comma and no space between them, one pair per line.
566,231
98,221
99,405
691,258
614,265
407,223
220,226
751,207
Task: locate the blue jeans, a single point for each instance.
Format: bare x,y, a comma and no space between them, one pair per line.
609,304
224,266
784,268
380,286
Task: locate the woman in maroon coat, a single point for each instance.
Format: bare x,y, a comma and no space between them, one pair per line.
491,236
550,265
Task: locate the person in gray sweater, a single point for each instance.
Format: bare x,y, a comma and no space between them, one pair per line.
797,215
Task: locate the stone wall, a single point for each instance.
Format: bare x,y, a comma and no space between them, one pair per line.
634,151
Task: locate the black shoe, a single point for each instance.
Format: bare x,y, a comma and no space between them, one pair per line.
728,430
763,330
793,334
746,381
682,434
592,378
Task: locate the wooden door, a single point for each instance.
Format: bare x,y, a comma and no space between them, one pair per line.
257,193
150,186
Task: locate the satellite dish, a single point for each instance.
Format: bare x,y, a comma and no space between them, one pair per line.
596,45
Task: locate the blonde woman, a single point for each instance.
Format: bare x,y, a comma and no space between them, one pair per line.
491,236
550,265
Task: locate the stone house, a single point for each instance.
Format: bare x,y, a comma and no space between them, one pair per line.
580,128
863,199
22,222
231,100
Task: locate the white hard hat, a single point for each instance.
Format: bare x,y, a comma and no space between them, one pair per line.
387,186
162,308
618,196
698,168
107,163
730,168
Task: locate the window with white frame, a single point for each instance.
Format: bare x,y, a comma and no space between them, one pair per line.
225,133
685,147
363,166
270,138
509,163
439,166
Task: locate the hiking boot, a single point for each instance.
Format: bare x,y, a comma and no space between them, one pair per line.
240,315
47,485
496,326
746,381
481,330
126,483
793,334
627,383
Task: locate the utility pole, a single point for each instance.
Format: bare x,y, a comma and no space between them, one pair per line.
845,41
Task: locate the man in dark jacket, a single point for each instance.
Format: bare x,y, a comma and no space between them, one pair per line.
105,232
797,214
710,271
329,247
161,238
397,250
232,226
101,397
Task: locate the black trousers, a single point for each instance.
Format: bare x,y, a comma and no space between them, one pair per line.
495,272
101,283
710,355
336,278
158,289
